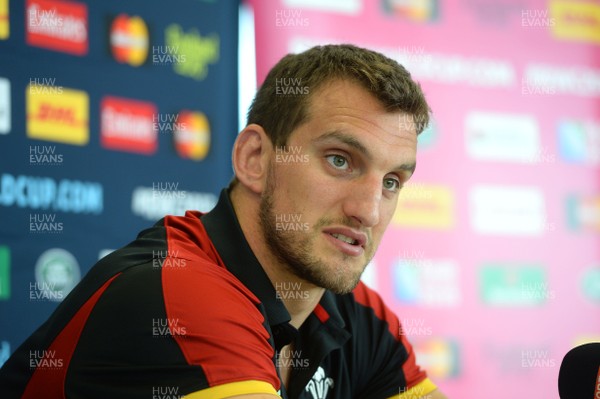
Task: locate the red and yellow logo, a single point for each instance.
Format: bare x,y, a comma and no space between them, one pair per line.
192,135
57,115
440,357
127,125
576,20
4,20
426,206
57,25
129,40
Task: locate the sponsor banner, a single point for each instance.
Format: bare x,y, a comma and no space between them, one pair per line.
514,285
129,40
576,20
127,125
57,114
425,206
5,112
508,210
57,25
492,136
192,135
4,20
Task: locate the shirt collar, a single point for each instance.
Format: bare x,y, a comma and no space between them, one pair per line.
329,304
225,232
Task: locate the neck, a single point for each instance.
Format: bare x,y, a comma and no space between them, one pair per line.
299,296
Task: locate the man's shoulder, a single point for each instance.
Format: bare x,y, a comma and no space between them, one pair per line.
178,250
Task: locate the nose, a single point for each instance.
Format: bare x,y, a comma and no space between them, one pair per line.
363,201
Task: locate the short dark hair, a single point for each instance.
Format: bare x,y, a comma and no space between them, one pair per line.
279,111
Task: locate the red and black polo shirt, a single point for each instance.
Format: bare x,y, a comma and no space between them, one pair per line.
186,310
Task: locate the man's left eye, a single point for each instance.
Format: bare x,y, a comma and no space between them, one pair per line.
337,161
391,184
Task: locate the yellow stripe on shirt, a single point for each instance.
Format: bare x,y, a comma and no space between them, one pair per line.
234,388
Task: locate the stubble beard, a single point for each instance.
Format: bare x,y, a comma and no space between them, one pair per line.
294,249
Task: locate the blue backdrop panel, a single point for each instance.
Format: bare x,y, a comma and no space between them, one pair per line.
73,185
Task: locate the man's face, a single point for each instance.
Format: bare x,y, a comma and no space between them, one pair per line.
333,188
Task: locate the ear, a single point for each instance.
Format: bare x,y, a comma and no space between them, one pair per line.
251,156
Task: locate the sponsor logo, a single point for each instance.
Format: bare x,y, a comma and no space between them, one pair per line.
43,193
502,137
129,40
505,210
514,285
579,141
415,11
456,69
583,212
426,206
429,136
56,274
426,282
576,20
127,125
4,274
57,116
440,357
192,138
319,384
590,284
4,26
147,204
197,50
571,80
4,105
57,25
337,6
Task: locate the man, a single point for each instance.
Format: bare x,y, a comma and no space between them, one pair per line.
260,297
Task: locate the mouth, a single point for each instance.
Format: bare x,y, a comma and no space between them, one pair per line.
344,238
347,240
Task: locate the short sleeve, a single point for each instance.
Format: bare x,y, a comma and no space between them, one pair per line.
219,326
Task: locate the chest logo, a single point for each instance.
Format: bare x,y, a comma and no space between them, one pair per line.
319,384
